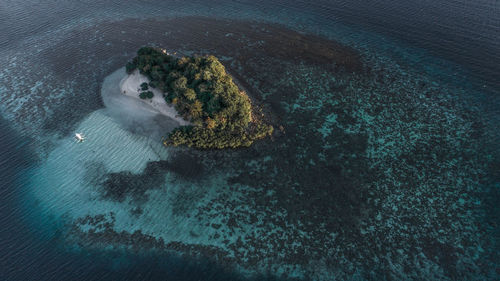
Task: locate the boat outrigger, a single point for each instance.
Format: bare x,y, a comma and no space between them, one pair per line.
79,137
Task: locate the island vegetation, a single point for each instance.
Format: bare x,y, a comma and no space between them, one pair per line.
203,93
146,95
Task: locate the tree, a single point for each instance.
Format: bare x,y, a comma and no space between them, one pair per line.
144,86
204,94
153,84
146,95
190,94
130,67
210,123
196,109
180,84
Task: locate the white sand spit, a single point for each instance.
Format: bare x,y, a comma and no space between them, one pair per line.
130,85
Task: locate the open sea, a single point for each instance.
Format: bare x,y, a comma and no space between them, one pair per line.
384,164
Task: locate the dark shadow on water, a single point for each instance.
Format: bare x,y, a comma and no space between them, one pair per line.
163,261
117,186
32,254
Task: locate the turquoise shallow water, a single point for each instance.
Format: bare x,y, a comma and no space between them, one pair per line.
384,164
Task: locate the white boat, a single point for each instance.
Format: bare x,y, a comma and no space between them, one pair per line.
79,137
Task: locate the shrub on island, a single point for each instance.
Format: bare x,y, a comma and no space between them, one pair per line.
146,95
204,94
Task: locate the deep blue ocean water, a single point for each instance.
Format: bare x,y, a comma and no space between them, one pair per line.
386,168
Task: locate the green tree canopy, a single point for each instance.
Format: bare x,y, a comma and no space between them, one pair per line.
204,94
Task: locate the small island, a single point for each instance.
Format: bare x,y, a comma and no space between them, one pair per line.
212,111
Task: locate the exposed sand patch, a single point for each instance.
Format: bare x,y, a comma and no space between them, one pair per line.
130,86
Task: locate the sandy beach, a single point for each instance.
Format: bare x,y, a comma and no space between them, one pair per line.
130,86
